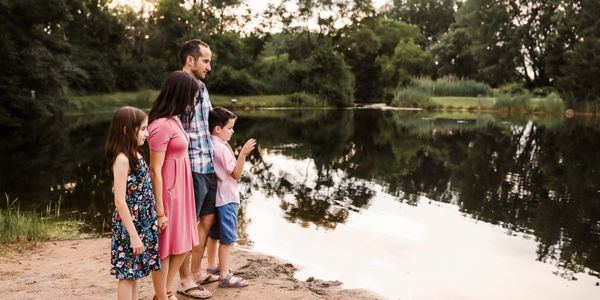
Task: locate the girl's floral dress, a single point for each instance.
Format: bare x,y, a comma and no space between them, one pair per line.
140,202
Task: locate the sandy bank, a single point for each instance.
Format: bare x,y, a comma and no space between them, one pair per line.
79,269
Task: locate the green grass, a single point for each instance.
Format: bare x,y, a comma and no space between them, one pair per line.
451,88
547,105
102,103
105,103
467,103
23,228
256,101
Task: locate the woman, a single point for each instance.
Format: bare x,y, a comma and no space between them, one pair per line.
172,183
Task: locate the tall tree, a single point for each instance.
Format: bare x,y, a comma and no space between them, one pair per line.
32,58
493,43
580,74
433,17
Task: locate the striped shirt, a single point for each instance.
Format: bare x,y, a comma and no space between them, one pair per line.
200,146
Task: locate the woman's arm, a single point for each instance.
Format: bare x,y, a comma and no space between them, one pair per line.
156,162
120,170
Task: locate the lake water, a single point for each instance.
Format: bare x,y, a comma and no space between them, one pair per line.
410,205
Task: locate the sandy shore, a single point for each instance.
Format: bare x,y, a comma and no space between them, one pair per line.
79,269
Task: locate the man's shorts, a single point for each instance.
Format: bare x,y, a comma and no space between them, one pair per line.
205,193
225,228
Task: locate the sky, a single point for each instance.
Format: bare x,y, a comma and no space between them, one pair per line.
256,5
259,5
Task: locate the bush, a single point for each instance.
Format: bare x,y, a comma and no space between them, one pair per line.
229,81
514,103
272,75
544,91
452,88
326,74
411,97
552,104
302,99
513,88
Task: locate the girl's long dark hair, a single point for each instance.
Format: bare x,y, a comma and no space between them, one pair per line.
176,97
122,136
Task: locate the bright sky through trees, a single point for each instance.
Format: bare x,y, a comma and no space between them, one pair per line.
256,5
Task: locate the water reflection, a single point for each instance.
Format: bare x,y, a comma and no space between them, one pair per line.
324,169
531,177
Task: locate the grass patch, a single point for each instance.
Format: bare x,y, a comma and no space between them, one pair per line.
102,103
454,88
520,103
467,103
21,229
107,103
552,104
412,97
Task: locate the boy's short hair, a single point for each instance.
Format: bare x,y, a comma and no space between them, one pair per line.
219,116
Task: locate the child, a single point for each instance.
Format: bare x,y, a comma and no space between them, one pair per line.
228,171
134,249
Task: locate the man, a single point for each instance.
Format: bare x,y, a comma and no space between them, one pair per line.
196,57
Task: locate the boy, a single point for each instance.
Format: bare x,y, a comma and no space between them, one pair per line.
228,171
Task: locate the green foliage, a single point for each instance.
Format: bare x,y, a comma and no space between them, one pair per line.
519,103
513,88
580,80
412,97
326,74
273,75
552,104
433,17
90,46
227,80
109,102
407,61
18,226
453,54
489,28
457,88
32,58
302,99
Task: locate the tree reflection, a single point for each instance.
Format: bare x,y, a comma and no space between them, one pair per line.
531,177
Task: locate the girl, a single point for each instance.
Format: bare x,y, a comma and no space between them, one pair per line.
172,183
134,245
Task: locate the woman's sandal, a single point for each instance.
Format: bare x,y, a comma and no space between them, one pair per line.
186,293
225,282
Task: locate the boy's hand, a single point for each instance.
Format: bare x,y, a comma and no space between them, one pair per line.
248,147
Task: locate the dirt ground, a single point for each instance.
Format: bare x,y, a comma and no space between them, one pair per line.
79,269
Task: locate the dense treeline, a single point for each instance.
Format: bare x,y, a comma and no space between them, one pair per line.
340,50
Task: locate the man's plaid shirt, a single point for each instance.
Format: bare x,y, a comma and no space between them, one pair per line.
200,147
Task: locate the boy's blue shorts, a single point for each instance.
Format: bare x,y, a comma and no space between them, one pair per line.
225,228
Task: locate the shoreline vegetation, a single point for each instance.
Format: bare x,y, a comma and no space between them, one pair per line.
23,229
420,94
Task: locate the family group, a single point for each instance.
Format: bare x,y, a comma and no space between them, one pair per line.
187,199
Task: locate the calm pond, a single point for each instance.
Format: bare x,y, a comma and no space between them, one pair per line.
410,205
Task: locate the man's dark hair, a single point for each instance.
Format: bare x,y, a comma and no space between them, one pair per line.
219,116
191,47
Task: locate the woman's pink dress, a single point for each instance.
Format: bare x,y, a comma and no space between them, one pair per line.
167,135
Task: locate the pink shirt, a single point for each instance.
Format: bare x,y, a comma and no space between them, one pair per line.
225,161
